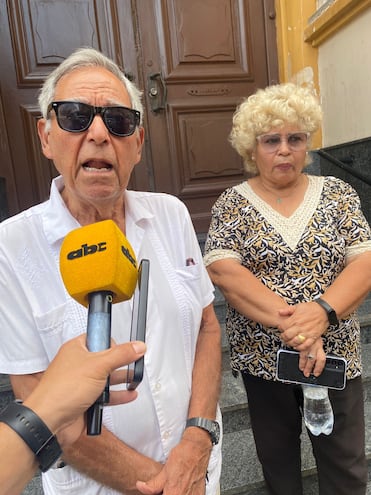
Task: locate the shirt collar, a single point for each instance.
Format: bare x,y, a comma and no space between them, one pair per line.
136,211
58,220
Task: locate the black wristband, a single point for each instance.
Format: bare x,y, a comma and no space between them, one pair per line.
33,432
331,314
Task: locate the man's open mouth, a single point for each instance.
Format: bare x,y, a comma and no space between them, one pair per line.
97,166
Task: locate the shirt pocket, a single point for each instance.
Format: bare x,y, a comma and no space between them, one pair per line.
190,298
189,278
60,324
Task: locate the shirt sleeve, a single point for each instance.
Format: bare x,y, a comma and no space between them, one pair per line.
21,350
224,235
352,224
194,260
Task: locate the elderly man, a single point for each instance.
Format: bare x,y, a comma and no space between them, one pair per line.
91,129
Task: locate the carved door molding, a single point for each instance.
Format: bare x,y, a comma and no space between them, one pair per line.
194,61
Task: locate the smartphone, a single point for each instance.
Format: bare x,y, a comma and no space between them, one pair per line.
138,324
332,376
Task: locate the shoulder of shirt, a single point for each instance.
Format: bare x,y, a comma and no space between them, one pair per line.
22,217
338,186
160,199
232,191
334,181
20,228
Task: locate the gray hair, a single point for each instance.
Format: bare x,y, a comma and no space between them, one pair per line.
86,57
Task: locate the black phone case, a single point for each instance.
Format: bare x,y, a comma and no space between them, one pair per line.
332,376
138,324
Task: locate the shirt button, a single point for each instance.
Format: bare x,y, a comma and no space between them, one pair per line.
166,435
158,386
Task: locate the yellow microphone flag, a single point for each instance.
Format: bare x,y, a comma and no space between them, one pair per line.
98,257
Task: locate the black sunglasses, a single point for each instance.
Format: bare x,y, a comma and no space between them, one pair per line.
74,116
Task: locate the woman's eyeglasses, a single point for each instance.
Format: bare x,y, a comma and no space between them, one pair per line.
74,116
296,141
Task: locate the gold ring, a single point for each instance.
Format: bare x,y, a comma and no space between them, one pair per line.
310,356
301,337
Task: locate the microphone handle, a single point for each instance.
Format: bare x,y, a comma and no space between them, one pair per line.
98,338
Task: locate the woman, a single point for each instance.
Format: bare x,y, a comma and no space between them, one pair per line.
277,243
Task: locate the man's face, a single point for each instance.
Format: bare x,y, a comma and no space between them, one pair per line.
96,165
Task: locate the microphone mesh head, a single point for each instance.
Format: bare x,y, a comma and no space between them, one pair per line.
98,257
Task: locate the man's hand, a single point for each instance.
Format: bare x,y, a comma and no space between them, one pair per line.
74,379
185,470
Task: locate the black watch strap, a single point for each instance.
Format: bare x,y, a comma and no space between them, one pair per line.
33,432
331,314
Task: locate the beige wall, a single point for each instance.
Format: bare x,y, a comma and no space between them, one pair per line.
327,43
344,67
297,60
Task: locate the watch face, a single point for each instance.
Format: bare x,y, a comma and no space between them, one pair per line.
215,432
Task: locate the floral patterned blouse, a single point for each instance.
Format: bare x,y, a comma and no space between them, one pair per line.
297,257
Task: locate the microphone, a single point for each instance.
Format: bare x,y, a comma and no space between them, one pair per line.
99,268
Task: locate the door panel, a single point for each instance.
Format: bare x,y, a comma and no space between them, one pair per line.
194,60
33,43
203,39
210,54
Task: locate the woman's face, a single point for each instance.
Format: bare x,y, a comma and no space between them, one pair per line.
280,155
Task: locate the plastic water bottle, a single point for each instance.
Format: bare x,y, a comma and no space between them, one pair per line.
318,414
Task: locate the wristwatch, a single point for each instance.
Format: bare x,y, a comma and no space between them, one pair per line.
331,314
212,427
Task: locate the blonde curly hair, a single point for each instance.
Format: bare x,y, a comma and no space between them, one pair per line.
270,108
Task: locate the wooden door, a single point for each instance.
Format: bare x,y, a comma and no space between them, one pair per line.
194,60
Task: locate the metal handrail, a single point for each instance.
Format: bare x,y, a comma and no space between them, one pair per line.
344,166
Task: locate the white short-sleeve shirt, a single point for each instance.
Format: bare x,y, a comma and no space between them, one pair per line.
37,315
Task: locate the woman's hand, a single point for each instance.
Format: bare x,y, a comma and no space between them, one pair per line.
314,360
303,325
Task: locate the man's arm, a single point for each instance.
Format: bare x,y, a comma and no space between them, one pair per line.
18,462
104,457
58,402
206,375
185,470
111,462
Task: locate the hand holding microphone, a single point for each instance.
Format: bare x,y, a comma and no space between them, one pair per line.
99,268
